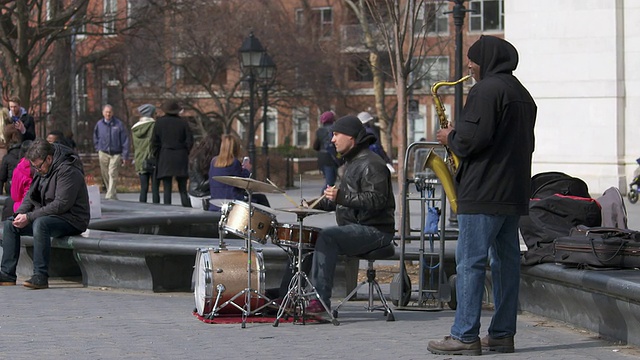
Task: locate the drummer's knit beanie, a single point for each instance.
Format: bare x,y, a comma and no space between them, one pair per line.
348,125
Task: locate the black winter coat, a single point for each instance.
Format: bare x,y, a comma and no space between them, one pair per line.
495,137
62,191
365,193
171,143
9,162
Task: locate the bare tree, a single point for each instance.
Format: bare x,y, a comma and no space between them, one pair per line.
398,23
28,30
204,65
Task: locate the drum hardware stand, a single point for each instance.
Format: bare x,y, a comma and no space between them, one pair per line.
224,213
247,292
295,293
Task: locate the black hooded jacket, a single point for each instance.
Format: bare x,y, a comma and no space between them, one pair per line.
494,138
62,191
365,193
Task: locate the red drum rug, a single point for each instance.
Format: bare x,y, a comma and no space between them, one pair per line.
237,319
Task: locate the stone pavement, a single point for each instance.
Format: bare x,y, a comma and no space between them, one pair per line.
68,321
71,322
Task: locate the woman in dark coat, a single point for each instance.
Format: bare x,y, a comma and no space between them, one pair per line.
171,143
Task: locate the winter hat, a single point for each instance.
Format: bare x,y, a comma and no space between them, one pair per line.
327,117
475,52
171,107
348,125
146,110
365,117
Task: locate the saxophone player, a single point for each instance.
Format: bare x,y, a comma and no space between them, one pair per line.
494,140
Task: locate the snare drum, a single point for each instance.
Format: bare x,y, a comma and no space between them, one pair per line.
289,235
236,220
225,272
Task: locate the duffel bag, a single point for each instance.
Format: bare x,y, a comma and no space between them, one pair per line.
599,247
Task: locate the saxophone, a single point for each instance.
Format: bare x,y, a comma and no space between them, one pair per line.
442,169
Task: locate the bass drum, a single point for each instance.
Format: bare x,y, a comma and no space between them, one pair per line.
224,272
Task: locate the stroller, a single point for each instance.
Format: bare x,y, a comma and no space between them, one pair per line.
633,187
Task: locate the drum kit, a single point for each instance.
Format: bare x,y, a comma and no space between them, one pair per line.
219,275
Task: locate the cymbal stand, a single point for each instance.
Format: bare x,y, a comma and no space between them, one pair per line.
224,214
247,292
295,294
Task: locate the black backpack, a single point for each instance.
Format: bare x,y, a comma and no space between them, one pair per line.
558,203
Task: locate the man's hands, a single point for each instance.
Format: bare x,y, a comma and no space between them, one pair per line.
20,126
331,193
20,221
443,135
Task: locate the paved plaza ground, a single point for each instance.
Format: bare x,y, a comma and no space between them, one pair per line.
69,321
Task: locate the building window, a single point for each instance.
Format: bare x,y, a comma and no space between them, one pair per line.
301,127
272,128
430,69
432,19
81,92
48,10
319,21
110,10
243,131
51,90
360,70
487,15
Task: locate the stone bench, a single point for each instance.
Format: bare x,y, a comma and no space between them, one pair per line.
606,302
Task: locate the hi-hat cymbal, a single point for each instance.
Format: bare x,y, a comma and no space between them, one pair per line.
302,211
248,184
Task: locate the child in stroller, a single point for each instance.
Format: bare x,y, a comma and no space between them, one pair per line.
633,187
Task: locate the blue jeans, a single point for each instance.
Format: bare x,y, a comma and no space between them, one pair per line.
42,229
350,240
484,237
330,174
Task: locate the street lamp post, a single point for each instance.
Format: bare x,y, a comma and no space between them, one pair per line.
459,13
251,53
267,74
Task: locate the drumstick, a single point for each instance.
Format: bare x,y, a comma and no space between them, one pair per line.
313,204
285,194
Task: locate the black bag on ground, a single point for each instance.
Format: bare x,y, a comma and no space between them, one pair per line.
558,203
599,247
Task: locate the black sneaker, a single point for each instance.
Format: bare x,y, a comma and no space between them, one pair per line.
6,280
37,282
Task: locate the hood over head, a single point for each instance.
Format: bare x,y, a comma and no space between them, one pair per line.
494,55
64,154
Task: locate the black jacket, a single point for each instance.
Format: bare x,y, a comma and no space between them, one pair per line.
198,180
171,143
365,193
9,162
30,127
495,137
62,191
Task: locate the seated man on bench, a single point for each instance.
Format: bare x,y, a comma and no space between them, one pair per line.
56,205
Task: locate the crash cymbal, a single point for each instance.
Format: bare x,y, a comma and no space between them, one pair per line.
302,211
248,184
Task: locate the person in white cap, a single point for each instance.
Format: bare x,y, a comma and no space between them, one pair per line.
367,120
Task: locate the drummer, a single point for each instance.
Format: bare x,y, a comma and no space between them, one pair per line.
226,163
364,204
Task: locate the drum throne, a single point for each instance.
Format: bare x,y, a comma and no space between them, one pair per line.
382,253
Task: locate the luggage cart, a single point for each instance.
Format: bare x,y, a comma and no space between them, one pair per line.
422,192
